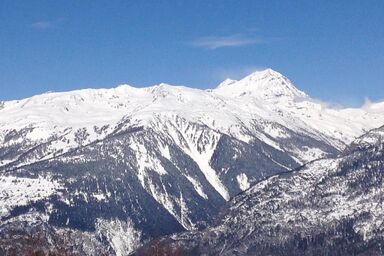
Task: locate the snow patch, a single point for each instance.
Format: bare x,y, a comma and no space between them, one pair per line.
202,154
243,182
122,235
18,191
198,187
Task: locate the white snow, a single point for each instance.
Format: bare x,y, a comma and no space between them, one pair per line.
100,197
145,161
198,187
164,149
243,182
17,191
203,157
122,235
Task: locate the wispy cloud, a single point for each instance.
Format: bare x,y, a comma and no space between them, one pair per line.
215,42
372,106
42,25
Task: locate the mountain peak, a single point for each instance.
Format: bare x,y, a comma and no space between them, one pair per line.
262,74
266,84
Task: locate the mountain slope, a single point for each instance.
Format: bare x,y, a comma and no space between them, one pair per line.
327,207
162,159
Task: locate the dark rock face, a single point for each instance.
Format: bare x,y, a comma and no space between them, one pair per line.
256,160
327,207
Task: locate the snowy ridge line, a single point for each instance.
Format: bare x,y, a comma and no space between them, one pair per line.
69,151
237,104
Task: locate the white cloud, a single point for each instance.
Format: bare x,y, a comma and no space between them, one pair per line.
373,106
215,42
42,25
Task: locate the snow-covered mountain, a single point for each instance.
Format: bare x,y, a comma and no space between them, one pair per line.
331,206
156,160
258,105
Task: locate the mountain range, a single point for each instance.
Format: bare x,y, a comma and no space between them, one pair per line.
117,167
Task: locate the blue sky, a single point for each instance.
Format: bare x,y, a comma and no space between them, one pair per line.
333,50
